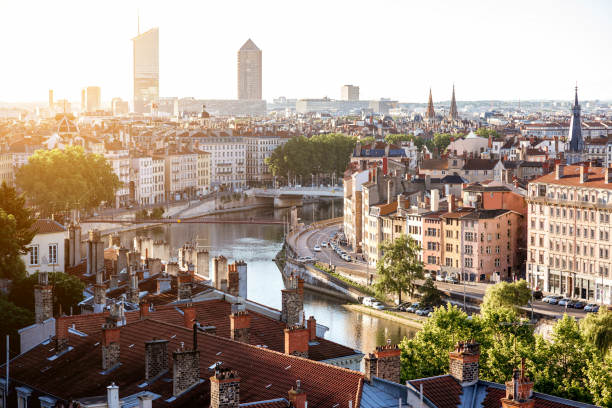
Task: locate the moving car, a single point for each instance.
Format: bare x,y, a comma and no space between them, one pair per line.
440,278
368,301
378,305
324,244
316,248
451,279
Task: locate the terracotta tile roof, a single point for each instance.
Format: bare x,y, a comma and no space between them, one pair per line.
46,226
444,391
265,374
386,209
571,177
434,164
480,164
495,394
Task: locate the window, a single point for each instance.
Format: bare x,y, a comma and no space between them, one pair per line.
34,255
468,262
497,262
52,254
449,247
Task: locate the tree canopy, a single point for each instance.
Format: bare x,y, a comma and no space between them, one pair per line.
399,267
320,154
67,292
504,294
58,180
15,232
15,204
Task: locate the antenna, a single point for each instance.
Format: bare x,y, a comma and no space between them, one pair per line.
138,12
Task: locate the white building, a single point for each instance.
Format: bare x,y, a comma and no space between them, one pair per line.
258,149
120,162
227,161
181,175
46,251
472,145
147,180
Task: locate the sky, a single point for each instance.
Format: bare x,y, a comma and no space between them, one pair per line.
508,50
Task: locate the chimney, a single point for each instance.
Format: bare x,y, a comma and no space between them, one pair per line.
112,396
608,174
189,316
451,203
224,389
114,281
427,182
61,334
184,286
163,284
240,326
464,362
220,272
388,362
99,297
172,268
133,293
145,401
186,369
390,191
297,396
370,366
110,344
312,328
156,358
144,308
559,168
203,264
296,341
518,390
233,279
292,302
435,200
43,298
584,173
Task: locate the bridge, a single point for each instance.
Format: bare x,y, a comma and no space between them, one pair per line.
290,196
260,221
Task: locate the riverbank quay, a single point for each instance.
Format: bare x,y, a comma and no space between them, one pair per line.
398,317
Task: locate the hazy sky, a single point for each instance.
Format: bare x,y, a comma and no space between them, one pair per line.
490,49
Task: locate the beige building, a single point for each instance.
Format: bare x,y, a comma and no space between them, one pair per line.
569,233
180,175
6,168
204,172
249,71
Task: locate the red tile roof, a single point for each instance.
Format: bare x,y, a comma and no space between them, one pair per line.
47,227
444,391
265,374
571,177
494,395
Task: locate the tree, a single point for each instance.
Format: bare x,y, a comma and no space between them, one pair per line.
399,267
430,294
509,295
597,328
13,318
11,266
396,138
441,141
67,291
56,180
14,204
484,132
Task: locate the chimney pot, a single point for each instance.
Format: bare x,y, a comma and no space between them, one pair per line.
296,341
312,328
464,362
225,389
584,173
297,396
111,349
240,326
189,316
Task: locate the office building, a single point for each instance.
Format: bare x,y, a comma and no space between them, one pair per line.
146,70
249,71
92,96
350,93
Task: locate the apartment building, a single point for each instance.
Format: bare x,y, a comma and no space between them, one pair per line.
204,170
258,149
180,175
227,160
119,160
569,232
353,215
432,238
6,168
147,180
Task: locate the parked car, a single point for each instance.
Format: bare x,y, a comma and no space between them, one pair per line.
402,306
571,303
424,312
591,307
564,301
347,258
440,278
427,275
316,248
579,304
537,294
413,307
553,300
451,279
378,305
367,301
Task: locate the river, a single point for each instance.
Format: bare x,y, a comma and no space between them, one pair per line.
257,245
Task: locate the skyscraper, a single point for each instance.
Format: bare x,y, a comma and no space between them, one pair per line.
453,114
249,71
94,98
350,93
146,70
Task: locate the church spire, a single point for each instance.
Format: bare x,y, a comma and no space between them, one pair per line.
430,114
453,115
576,142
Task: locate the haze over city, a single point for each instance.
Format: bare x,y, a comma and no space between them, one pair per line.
490,50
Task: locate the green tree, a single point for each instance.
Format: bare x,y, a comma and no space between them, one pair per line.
599,380
508,295
11,266
398,138
14,204
597,328
399,267
13,318
430,294
441,141
56,180
67,292
484,132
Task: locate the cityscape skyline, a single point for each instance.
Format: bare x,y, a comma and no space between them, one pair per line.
402,67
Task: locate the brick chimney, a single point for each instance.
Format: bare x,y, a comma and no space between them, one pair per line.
292,302
233,279
224,389
133,292
584,173
464,362
240,326
189,316
61,334
156,358
608,174
110,344
312,328
388,362
184,285
296,341
370,367
186,369
451,203
43,298
297,396
518,390
144,308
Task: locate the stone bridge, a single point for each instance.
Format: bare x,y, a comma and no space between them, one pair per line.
293,196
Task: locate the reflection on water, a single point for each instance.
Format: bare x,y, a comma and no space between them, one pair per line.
257,245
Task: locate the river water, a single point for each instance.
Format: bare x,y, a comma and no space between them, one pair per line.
257,245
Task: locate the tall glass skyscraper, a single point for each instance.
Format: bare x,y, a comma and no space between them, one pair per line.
249,71
146,70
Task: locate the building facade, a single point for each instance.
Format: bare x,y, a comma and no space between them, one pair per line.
350,93
146,70
249,71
